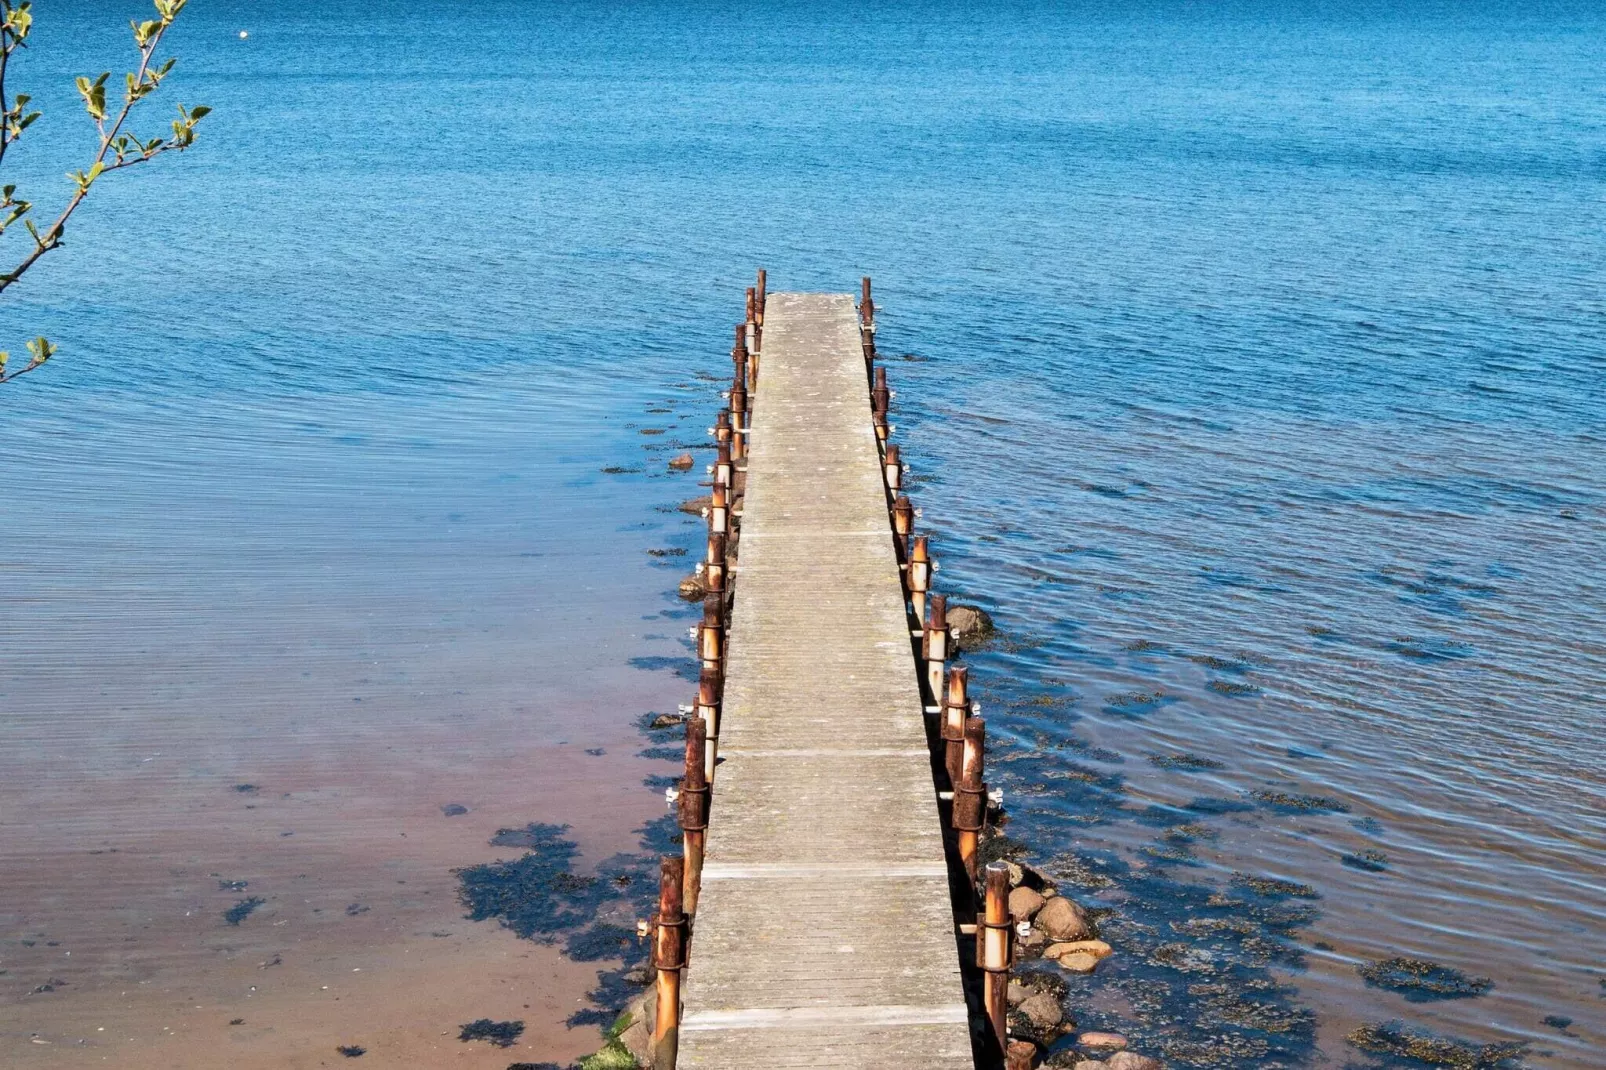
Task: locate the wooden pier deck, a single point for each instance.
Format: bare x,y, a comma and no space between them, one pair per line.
825,934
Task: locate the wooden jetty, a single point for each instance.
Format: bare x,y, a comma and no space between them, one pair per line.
833,803
824,931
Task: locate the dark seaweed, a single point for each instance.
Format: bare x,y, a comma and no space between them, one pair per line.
242,910
502,1034
1413,1048
1420,981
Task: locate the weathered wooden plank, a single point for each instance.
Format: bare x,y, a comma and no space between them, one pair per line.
824,935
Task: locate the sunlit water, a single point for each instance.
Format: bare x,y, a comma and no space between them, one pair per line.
1253,382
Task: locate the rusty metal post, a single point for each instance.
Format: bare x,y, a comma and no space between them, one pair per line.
993,932
693,803
739,350
763,281
880,394
970,794
724,471
1020,1055
718,511
882,429
867,321
669,958
752,305
711,632
738,409
935,646
919,577
722,428
892,467
903,521
955,708
714,565
709,684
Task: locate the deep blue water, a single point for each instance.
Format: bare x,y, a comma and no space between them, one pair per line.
1249,347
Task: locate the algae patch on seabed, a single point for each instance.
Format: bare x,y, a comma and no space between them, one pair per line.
242,910
1413,1048
1302,804
502,1034
1420,981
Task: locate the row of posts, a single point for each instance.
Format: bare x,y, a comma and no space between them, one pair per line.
680,879
960,732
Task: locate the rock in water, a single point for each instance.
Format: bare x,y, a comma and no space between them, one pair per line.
681,463
1078,962
969,622
1062,919
1043,1011
1024,903
695,506
1097,948
1129,1060
637,1036
693,589
1101,1040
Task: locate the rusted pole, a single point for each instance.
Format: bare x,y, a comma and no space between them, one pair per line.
867,321
892,466
694,809
919,577
738,408
903,521
878,419
723,469
993,931
935,646
970,794
752,305
711,632
880,394
762,283
1020,1055
709,683
669,958
739,350
955,708
714,565
718,511
722,429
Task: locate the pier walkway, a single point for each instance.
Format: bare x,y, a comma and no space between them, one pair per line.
825,934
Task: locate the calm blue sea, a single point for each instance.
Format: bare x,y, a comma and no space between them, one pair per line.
1250,362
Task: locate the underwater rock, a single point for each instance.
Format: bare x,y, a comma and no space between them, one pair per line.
681,463
1101,1040
693,589
1128,1060
637,1036
1062,919
1078,962
1024,903
1043,1011
1097,948
968,623
695,506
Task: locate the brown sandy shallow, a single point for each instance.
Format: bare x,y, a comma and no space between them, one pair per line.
360,939
125,820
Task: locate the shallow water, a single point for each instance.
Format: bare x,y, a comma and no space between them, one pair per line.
1256,390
